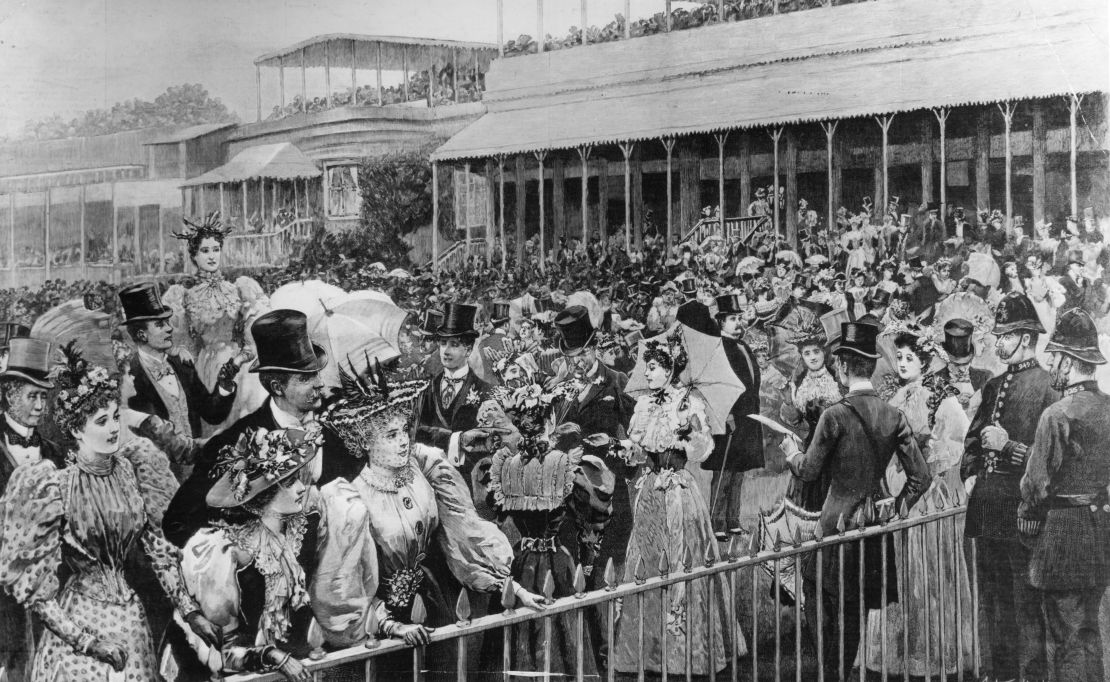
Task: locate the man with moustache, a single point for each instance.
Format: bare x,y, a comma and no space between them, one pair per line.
996,448
741,448
24,387
288,367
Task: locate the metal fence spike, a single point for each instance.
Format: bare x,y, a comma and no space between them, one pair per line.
664,564
610,575
548,587
841,525
371,629
508,597
687,560
419,613
579,581
778,540
798,539
710,557
640,572
315,639
462,607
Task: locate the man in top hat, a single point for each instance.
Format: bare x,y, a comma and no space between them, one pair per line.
24,390
960,347
1074,282
664,308
167,384
995,450
1065,510
9,331
447,410
288,367
921,292
598,405
740,449
852,444
494,340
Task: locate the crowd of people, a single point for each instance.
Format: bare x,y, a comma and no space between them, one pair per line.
199,504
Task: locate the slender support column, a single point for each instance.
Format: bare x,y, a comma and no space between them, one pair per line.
603,200
584,21
84,260
584,157
540,39
558,200
466,212
1007,108
262,202
296,200
637,198
627,19
982,161
521,186
115,228
942,120
721,139
405,70
431,79
273,200
304,85
223,208
354,74
745,171
925,162
626,148
667,15
500,28
790,205
455,75
435,217
1040,148
720,10
884,123
668,145
161,239
830,131
281,82
258,90
540,156
203,204
489,212
46,222
330,101
776,135
1074,102
246,221
501,207
380,101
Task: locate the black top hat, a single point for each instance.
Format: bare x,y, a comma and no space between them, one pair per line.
1076,335
500,312
688,287
576,332
858,338
915,263
29,360
878,298
1075,257
1016,313
143,301
695,315
730,304
281,337
429,322
957,341
12,330
458,321
932,206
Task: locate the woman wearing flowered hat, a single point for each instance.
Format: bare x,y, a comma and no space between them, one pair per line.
932,409
91,521
419,505
669,429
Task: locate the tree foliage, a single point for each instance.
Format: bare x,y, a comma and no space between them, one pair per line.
179,105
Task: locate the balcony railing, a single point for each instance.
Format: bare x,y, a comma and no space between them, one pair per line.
267,248
942,545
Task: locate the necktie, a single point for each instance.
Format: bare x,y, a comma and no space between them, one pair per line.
449,389
161,370
32,441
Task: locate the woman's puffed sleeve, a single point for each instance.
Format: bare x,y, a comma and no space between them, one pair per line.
591,502
477,552
698,443
32,516
209,568
342,589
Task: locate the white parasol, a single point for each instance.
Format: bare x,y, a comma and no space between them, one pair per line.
73,321
750,264
359,328
306,297
707,372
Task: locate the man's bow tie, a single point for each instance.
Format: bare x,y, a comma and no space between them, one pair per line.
32,441
162,370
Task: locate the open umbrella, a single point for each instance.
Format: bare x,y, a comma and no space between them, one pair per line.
707,373
750,264
306,297
788,255
357,328
817,259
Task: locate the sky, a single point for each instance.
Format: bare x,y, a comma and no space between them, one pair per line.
68,56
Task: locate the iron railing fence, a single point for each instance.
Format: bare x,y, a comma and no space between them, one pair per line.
931,535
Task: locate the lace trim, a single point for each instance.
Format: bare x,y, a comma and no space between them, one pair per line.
387,480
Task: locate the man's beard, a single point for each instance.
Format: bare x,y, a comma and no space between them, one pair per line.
1004,355
1060,377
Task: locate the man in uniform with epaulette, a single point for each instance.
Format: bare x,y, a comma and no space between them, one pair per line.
996,446
1065,510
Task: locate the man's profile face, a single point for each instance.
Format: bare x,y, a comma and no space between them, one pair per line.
453,352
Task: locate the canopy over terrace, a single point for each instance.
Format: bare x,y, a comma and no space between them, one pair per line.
864,60
351,52
279,165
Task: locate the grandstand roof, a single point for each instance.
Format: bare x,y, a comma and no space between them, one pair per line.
344,50
281,161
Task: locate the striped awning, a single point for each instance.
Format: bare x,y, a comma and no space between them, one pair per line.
1026,54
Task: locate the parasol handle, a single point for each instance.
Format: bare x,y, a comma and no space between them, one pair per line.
327,311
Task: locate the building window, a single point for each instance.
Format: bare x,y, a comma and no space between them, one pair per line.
471,200
343,195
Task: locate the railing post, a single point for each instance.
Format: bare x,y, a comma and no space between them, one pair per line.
435,217
626,148
1074,102
540,156
776,135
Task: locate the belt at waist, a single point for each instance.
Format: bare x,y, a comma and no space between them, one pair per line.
538,544
1088,500
672,459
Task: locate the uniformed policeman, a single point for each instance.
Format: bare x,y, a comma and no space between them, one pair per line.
1065,510
996,446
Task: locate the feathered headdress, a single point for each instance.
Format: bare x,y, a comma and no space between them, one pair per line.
211,226
365,396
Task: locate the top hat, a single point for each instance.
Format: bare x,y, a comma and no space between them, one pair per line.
500,312
932,206
689,287
730,304
12,330
281,337
1076,335
957,341
695,315
576,331
915,263
832,321
458,321
1016,313
29,360
880,297
143,301
1075,257
858,338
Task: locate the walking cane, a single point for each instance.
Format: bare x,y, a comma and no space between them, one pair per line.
721,475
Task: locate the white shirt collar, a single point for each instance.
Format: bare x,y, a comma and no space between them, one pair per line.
858,386
284,420
22,430
457,374
155,358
